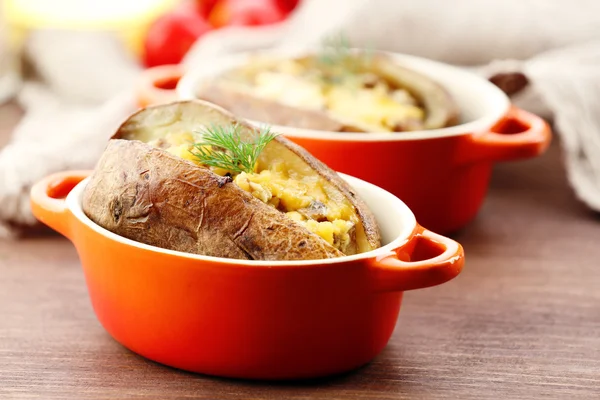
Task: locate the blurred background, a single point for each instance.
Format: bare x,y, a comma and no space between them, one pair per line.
149,32
71,66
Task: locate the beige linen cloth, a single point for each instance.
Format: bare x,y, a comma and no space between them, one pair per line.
84,85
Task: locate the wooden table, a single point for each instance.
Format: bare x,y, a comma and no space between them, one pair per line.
521,322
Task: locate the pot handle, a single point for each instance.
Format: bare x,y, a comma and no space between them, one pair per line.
158,85
519,135
47,199
395,271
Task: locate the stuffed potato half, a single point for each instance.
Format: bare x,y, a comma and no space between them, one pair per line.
151,185
340,92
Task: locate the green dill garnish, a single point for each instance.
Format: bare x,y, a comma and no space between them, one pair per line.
227,150
337,60
335,50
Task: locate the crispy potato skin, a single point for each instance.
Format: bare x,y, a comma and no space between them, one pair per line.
174,114
149,195
268,111
161,200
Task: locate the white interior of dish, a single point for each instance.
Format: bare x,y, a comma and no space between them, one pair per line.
396,222
480,102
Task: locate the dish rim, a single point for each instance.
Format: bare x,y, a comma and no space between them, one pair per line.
409,225
186,86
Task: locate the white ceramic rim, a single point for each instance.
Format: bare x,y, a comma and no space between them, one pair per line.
405,218
445,74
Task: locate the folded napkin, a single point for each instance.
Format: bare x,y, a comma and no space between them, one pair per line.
75,102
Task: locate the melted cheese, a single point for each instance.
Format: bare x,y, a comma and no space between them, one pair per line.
362,98
295,197
288,89
302,197
374,107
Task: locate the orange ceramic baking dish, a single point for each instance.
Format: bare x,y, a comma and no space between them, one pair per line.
250,319
442,174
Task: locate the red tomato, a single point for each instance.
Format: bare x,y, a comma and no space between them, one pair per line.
245,12
205,6
287,6
171,36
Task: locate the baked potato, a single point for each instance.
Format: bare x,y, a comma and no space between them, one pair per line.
353,92
153,185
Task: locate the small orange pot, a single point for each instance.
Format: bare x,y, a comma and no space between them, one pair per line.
442,174
250,319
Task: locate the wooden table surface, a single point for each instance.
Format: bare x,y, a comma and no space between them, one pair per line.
521,322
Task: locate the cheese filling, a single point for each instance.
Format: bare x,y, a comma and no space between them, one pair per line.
304,199
360,98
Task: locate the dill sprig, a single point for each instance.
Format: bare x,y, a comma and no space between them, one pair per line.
337,59
335,50
227,149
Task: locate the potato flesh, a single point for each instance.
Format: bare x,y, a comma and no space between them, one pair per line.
361,99
374,109
290,195
277,184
